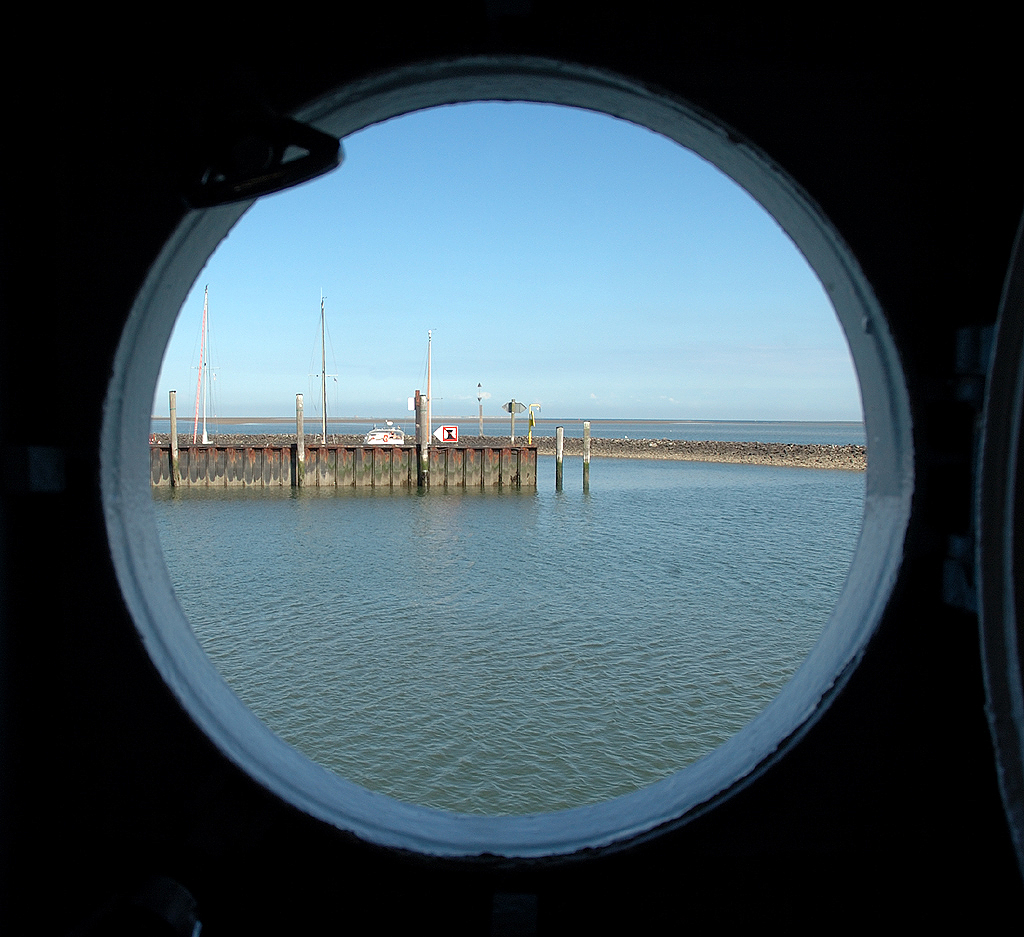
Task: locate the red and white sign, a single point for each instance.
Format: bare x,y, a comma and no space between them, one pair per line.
447,434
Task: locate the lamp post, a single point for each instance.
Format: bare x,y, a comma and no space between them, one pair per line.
480,404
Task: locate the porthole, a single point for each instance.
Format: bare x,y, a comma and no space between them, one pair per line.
243,738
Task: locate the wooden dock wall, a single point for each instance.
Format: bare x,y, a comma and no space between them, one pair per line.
344,466
483,467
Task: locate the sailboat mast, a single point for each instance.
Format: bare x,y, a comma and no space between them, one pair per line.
323,367
206,343
199,379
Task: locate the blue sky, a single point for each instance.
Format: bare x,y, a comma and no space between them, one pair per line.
561,257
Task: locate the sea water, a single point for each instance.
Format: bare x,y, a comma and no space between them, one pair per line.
510,652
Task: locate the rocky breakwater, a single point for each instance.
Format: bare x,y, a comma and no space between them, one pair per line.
791,455
260,441
849,458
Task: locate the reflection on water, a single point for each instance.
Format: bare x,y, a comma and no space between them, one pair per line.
515,651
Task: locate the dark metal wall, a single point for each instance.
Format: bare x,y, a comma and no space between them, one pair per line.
344,466
887,808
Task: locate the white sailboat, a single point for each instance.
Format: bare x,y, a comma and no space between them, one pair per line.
391,436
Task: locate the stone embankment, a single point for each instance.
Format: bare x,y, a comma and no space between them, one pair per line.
849,458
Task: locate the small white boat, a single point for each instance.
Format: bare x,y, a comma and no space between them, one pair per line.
390,436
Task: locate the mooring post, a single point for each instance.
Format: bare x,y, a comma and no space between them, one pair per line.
586,456
175,474
559,445
300,443
422,441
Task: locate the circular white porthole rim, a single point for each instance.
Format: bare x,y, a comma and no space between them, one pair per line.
243,738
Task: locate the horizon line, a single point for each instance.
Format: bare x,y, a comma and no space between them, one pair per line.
488,419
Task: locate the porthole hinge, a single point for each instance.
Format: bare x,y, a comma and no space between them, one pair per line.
958,582
260,156
973,359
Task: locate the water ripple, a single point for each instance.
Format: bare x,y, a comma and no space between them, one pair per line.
515,652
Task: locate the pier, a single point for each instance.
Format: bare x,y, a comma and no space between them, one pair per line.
343,466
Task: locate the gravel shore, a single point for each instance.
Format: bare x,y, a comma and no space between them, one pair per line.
848,458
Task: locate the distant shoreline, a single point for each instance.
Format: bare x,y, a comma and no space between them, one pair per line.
850,458
468,421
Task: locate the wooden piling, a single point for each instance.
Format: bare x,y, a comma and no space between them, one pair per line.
586,456
175,474
559,448
423,440
300,443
